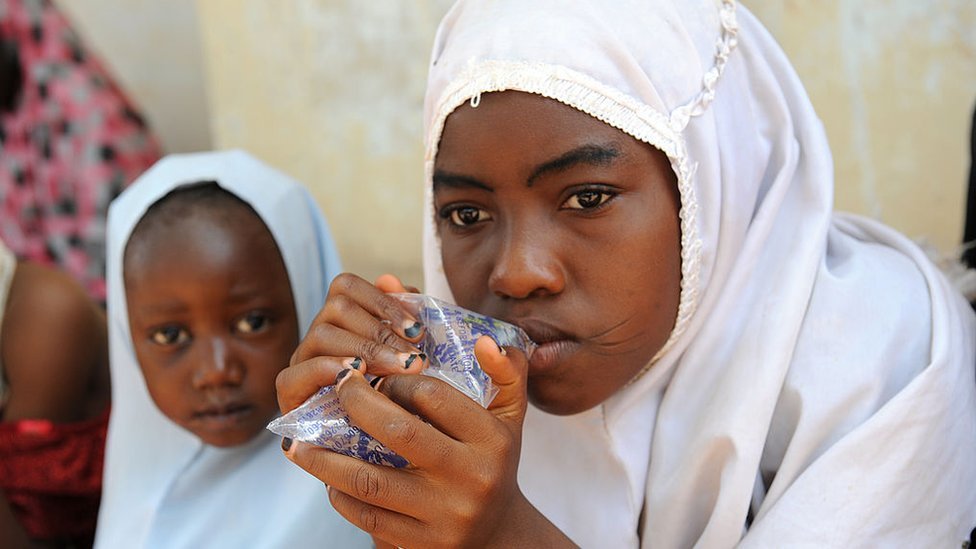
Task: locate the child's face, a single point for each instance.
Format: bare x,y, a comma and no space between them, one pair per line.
213,322
566,226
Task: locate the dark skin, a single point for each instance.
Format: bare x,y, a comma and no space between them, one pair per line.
63,382
213,321
552,220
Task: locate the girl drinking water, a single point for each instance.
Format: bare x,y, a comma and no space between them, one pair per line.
645,188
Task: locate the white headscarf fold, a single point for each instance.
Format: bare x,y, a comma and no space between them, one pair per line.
163,487
819,387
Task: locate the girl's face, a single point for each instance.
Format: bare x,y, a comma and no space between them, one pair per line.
566,226
213,322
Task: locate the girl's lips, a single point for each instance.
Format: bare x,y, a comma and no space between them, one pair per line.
554,345
550,354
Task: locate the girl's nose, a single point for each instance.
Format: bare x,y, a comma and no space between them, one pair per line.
216,366
526,265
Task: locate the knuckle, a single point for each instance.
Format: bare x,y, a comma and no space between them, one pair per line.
483,481
391,308
369,519
341,304
465,514
430,392
386,336
369,350
401,431
342,283
368,484
281,381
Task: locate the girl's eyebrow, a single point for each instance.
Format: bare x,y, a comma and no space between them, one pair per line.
591,154
456,181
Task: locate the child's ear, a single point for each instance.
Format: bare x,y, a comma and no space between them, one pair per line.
390,284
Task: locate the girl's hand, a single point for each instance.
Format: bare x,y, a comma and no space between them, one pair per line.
359,327
460,488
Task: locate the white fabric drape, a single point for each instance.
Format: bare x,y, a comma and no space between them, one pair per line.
819,388
163,487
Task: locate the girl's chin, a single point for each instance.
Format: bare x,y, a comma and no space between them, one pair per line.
558,398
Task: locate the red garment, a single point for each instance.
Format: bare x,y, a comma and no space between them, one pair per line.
71,145
51,474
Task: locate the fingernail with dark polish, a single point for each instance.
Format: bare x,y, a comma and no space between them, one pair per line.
342,375
355,363
285,444
410,360
376,382
413,330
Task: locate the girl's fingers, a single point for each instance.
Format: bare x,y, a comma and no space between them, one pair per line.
330,340
349,316
395,490
296,383
377,521
508,369
449,410
417,441
375,302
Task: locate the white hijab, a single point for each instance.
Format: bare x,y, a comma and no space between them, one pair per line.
818,388
163,487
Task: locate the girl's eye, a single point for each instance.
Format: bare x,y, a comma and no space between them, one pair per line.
586,200
251,323
170,335
463,216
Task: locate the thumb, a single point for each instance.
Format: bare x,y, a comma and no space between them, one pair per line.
390,284
508,369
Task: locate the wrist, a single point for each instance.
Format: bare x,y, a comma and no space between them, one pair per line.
525,526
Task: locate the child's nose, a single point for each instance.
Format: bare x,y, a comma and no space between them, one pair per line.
526,265
216,365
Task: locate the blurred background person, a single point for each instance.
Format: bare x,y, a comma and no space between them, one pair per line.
54,407
70,141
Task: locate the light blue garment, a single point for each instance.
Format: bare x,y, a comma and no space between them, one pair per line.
162,486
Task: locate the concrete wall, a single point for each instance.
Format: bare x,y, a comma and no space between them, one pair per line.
895,84
331,91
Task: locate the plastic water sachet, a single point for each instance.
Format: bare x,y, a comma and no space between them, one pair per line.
449,345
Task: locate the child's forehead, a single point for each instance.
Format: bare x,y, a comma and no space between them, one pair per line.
231,234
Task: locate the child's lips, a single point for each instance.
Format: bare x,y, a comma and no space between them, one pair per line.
224,415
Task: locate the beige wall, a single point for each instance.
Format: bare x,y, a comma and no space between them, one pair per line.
152,48
331,91
895,84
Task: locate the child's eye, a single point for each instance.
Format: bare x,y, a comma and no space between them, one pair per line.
251,323
170,335
588,199
464,216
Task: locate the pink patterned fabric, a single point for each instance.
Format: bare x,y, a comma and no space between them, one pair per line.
70,146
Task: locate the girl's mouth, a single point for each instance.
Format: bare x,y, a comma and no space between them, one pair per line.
554,345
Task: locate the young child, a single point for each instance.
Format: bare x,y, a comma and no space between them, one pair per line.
217,265
646,189
70,141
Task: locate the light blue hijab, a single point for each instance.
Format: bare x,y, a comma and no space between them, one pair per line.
163,487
